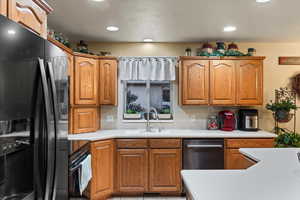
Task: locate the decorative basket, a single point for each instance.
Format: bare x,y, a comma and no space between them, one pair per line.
283,116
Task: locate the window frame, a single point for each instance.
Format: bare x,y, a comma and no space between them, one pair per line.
148,88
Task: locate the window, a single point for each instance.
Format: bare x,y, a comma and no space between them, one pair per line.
140,97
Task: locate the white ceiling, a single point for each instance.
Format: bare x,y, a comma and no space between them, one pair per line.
177,20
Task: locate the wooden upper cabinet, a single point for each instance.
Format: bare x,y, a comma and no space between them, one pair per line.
85,119
108,82
165,166
250,82
70,58
132,170
3,7
222,82
86,81
102,169
195,82
29,14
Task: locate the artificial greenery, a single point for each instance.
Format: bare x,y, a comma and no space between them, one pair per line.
165,111
132,107
287,138
62,39
217,53
285,103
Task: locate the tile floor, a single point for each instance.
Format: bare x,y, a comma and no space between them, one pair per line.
141,198
148,198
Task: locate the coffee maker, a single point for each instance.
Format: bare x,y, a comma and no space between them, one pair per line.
248,120
227,120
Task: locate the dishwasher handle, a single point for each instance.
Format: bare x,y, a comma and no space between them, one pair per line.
204,146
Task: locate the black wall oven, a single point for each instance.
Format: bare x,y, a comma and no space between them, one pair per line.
33,125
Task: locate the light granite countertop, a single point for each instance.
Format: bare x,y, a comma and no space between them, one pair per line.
276,176
168,133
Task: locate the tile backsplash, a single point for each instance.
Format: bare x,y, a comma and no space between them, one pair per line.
185,117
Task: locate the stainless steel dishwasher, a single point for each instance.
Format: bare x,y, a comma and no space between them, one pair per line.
203,154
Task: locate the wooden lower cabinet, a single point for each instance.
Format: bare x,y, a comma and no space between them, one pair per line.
102,169
236,160
165,165
143,169
85,119
132,170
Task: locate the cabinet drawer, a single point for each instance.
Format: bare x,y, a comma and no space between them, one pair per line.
132,143
165,143
250,143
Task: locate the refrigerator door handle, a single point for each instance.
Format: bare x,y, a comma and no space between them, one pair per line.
50,144
54,94
56,116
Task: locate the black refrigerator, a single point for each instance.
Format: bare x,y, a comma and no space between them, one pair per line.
33,116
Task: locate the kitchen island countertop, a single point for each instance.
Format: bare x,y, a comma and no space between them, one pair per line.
276,176
168,133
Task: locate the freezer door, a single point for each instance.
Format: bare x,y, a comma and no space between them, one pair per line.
57,69
20,96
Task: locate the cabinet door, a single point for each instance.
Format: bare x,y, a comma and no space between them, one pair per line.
3,7
102,169
250,82
30,15
132,170
86,81
222,82
165,166
71,77
195,81
85,120
108,82
235,160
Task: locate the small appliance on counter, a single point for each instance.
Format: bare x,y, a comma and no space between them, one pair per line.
227,120
248,120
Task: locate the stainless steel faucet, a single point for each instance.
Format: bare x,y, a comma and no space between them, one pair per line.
155,116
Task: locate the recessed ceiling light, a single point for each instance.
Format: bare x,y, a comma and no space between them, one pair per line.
262,1
112,28
148,40
11,32
98,0
229,28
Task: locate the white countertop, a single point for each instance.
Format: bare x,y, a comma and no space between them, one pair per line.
168,133
275,177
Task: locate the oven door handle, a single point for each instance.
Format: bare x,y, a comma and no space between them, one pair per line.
199,146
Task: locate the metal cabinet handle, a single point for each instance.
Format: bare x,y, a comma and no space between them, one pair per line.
204,146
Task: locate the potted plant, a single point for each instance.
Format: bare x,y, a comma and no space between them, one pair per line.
133,110
287,139
165,113
281,108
